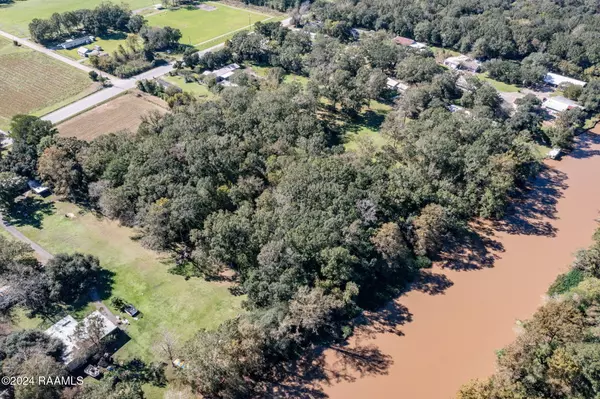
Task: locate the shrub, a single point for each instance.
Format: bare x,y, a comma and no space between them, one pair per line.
566,281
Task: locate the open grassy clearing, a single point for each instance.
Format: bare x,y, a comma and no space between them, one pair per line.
198,26
124,112
288,78
16,16
194,88
367,127
500,86
31,81
141,276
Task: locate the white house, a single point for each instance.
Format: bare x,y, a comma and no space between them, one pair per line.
83,51
64,330
558,104
463,62
555,79
72,43
223,73
396,85
418,46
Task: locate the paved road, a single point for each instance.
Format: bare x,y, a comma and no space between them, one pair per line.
43,255
118,85
48,52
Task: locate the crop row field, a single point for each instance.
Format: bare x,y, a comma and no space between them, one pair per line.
31,81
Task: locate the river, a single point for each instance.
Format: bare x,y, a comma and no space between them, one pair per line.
427,343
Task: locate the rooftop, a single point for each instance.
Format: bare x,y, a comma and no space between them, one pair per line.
64,330
560,104
224,72
556,80
404,41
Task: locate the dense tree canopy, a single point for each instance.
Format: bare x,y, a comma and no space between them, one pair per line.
566,33
98,21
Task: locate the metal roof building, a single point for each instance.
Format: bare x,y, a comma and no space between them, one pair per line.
555,79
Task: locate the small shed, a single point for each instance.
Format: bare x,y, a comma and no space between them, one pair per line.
83,51
37,187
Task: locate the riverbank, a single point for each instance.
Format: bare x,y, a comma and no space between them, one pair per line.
432,340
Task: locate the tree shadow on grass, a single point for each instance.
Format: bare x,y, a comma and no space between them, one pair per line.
30,211
114,36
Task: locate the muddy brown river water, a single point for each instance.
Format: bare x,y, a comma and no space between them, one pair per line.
429,342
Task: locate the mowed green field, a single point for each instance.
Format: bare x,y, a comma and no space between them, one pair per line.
191,87
31,81
198,26
16,16
141,276
109,44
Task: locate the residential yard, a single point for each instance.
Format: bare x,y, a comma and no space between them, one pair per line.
16,16
200,26
31,82
288,78
124,112
194,88
167,301
109,44
500,86
367,128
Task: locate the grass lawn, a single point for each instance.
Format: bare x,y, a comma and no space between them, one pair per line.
443,53
16,16
31,82
288,78
109,44
200,26
195,88
141,276
500,86
365,128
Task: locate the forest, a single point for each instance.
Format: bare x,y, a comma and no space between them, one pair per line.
255,182
562,36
